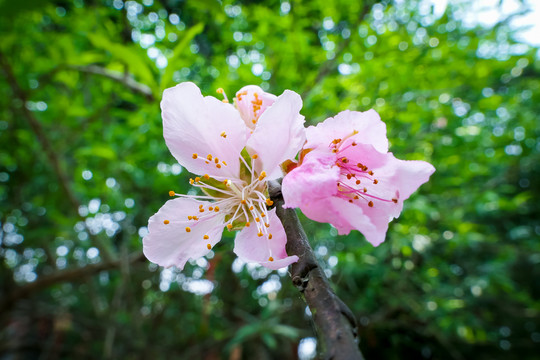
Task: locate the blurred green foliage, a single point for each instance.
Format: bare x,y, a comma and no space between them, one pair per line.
83,165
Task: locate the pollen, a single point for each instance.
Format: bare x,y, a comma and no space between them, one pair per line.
229,226
172,193
206,176
206,237
375,181
194,156
270,259
269,202
269,236
188,229
259,234
370,204
223,134
248,224
254,156
166,222
209,247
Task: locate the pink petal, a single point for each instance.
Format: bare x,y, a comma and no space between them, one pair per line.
279,134
196,125
251,248
170,244
371,130
246,99
315,179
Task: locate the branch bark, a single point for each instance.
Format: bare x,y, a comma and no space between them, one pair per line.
334,321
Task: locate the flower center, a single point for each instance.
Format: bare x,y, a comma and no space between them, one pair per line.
356,181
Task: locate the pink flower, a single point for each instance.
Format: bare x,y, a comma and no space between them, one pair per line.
209,137
348,178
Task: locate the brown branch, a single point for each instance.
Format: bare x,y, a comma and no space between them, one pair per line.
335,322
122,78
68,275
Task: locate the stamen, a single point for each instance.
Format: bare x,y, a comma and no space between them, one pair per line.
188,229
166,222
190,217
206,237
210,208
248,224
260,234
395,200
216,209
229,226
223,135
209,247
254,156
218,166
194,155
206,176
197,179
370,204
269,236
269,202
209,157
270,259
357,182
375,181
191,181
262,176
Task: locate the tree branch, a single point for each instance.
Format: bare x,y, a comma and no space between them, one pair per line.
68,275
335,322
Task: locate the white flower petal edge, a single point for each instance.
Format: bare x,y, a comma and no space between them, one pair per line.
198,128
172,240
250,247
279,134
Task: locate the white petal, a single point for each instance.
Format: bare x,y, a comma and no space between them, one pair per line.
252,248
170,244
279,134
193,124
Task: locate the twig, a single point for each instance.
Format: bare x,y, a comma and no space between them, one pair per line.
335,323
67,275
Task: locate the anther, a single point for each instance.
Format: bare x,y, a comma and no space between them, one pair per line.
395,200
201,206
201,210
263,215
357,182
370,172
196,218
344,160
257,219
209,247
267,224
243,202
270,259
216,160
356,197
188,229
259,234
190,217
191,181
223,134
229,226
172,193
166,222
206,176
375,181
216,209
365,190
254,156
251,207
350,201
218,166
269,236
210,208
262,176
247,224
254,121
194,155
349,176
220,90
206,237
269,202
370,204
197,179
334,150
209,157
354,144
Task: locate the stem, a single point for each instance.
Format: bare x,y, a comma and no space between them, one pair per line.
334,321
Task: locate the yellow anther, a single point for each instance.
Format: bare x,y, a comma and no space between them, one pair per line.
259,234
257,219
229,226
370,204
166,222
224,163
172,193
243,202
375,181
220,91
251,207
216,209
195,218
334,150
247,224
209,247
209,157
201,210
254,156
190,217
206,176
188,229
223,134
201,206
263,215
254,121
194,155
355,132
262,176
216,160
267,224
218,166
365,190
269,236
269,202
197,179
210,208
191,181
270,259
206,237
